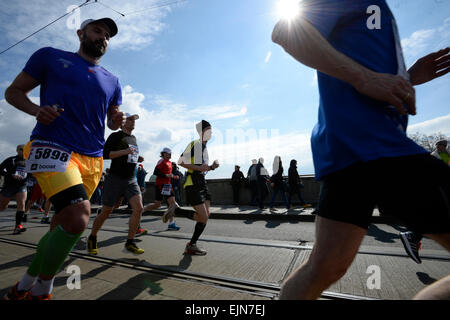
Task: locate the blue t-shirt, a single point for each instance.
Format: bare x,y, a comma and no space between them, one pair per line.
352,127
84,90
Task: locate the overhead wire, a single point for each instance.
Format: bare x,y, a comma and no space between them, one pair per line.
160,5
12,46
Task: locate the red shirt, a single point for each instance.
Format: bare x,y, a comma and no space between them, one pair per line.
165,167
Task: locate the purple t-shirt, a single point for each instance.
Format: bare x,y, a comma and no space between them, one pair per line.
84,90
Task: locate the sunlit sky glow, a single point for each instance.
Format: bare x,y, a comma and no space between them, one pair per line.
212,60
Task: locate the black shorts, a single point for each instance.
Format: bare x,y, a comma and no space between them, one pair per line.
159,196
11,191
196,195
414,189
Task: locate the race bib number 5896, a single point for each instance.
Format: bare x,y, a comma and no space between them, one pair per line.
46,156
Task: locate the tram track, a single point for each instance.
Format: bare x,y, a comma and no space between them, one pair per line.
289,246
270,290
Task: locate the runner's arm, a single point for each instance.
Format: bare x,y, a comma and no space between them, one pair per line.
17,93
306,44
195,167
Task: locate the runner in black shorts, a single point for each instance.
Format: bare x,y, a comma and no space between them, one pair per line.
15,186
360,147
195,159
122,148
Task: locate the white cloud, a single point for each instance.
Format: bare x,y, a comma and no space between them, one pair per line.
418,41
436,125
269,54
172,124
425,41
15,128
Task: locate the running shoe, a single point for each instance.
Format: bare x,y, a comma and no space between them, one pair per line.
307,205
15,294
412,245
19,229
41,297
133,248
194,250
41,210
92,246
141,232
170,213
173,226
45,220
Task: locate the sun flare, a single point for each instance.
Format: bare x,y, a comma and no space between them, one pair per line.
288,9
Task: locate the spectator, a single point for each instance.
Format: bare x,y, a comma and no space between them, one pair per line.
253,180
236,182
262,177
295,183
140,176
277,183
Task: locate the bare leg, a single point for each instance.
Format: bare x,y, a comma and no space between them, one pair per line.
133,224
100,219
3,202
336,245
440,290
21,197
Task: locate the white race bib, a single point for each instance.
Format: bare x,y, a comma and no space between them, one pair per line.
166,189
46,156
20,172
133,157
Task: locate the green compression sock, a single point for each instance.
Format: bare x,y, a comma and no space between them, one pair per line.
59,245
35,267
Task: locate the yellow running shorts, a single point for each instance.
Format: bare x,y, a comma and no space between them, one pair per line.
80,170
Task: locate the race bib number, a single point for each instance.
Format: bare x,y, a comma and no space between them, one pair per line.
166,189
46,156
21,172
133,157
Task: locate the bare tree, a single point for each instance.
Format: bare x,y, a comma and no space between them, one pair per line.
428,141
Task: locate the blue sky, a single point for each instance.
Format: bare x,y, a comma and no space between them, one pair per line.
213,60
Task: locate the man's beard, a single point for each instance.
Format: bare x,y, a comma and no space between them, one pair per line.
94,49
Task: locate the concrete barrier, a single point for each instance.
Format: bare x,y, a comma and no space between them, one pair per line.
222,192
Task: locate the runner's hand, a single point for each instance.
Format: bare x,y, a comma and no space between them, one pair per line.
393,89
215,164
47,114
204,167
119,118
431,66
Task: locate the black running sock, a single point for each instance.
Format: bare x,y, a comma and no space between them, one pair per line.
93,238
129,241
185,213
199,227
19,217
